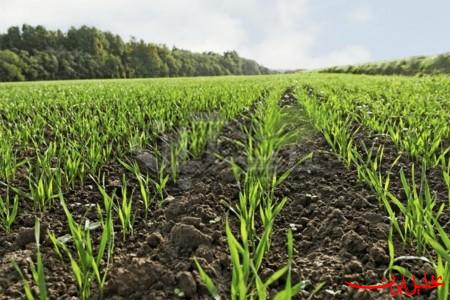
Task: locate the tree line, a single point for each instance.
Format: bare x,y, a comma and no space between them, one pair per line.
418,65
35,53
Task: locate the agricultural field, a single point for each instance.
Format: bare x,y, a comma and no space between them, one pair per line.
246,187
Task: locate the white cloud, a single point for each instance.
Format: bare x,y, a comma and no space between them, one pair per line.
347,55
290,52
361,15
278,33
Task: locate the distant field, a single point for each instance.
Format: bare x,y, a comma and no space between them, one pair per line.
243,187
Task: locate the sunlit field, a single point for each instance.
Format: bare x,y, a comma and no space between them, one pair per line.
240,187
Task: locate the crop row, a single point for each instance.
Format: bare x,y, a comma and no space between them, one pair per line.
413,114
57,136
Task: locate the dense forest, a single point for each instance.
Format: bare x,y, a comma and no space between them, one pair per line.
418,65
35,53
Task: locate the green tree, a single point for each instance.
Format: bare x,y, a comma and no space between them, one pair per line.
35,53
10,66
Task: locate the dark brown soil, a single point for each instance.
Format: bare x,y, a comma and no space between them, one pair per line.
340,230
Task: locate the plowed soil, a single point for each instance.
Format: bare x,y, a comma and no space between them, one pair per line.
340,229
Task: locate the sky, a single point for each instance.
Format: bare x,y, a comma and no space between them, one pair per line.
280,34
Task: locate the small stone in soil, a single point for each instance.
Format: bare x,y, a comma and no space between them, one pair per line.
353,266
174,209
154,239
194,221
205,252
186,283
354,242
187,236
147,162
378,254
376,218
26,235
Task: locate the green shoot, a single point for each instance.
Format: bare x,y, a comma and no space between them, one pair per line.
37,270
125,211
87,265
8,211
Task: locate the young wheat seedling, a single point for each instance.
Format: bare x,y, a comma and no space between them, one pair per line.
125,211
37,270
86,265
8,211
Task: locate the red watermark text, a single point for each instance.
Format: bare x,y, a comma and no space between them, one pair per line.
403,286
